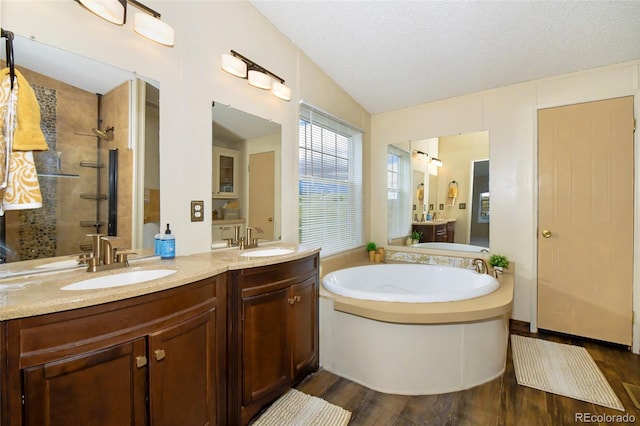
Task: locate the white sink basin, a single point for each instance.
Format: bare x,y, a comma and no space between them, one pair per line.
121,279
278,251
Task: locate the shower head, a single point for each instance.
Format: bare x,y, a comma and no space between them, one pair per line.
106,134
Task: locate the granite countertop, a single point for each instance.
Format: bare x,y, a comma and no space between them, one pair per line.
40,293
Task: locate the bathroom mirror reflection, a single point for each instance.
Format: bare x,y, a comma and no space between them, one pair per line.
246,175
101,124
424,193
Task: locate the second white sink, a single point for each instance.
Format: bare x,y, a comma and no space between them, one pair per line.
120,279
277,251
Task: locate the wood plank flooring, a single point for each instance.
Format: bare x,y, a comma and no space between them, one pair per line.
499,402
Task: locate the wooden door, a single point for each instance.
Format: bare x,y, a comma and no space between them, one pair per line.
304,333
101,388
261,193
265,346
585,219
182,373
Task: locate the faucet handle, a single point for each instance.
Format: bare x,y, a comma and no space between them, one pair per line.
122,257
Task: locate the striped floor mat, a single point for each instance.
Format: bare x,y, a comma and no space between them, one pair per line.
296,408
561,369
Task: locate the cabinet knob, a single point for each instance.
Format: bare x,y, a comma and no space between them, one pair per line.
159,354
291,300
297,298
141,361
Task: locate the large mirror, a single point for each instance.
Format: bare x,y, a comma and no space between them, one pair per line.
439,187
101,171
246,175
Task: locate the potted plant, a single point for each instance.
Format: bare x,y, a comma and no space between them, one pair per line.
371,248
499,262
415,236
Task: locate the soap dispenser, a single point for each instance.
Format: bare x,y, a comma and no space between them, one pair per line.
429,215
168,245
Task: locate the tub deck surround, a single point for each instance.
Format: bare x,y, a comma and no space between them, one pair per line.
409,283
38,294
491,305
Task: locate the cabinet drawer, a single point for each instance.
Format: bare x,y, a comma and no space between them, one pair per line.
272,275
50,337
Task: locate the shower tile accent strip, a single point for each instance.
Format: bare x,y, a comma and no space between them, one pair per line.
429,259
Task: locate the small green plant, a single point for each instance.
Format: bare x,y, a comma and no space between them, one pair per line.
371,246
499,260
415,235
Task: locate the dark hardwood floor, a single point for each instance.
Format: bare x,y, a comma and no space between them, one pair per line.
499,402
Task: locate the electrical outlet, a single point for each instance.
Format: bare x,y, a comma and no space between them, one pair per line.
197,211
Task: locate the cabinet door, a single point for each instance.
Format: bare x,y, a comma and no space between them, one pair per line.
265,341
225,173
182,373
101,388
304,330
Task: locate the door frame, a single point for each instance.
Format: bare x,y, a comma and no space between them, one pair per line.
533,325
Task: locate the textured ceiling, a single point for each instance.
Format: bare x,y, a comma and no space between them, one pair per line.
390,55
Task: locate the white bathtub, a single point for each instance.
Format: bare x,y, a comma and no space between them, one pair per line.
413,348
411,283
452,246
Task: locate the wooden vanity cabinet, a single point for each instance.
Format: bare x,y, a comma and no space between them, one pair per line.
273,339
432,232
157,359
451,231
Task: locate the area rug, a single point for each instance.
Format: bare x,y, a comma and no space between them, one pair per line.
296,408
565,370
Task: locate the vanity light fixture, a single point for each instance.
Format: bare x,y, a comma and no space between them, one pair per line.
146,24
419,155
257,76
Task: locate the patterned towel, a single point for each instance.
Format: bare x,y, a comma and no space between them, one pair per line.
19,187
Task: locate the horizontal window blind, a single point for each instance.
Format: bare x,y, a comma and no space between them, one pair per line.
331,183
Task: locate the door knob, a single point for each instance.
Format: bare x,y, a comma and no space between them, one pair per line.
546,233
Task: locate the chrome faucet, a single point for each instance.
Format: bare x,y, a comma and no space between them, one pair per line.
106,254
480,265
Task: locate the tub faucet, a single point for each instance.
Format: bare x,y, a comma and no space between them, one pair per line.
480,265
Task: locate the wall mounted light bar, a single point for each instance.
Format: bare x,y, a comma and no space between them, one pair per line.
426,157
146,24
257,76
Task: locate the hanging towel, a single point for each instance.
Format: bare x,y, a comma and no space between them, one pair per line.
452,193
28,136
453,190
19,187
23,191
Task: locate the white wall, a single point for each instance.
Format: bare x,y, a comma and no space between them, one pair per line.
509,114
190,79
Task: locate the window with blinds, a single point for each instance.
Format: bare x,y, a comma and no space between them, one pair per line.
398,192
331,185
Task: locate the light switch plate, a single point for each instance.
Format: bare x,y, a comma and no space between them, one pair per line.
197,211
